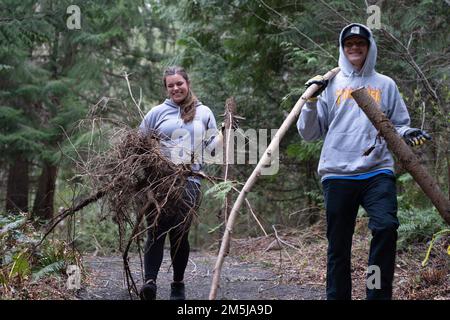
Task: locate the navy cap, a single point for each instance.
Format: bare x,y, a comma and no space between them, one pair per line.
355,30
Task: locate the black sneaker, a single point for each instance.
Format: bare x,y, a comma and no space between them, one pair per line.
148,291
177,291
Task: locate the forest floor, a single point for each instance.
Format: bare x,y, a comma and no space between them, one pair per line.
241,280
290,267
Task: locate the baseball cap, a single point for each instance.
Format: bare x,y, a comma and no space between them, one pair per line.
355,30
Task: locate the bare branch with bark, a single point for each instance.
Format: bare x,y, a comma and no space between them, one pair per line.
403,152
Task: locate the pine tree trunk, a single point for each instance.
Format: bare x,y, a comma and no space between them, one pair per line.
403,152
448,176
230,112
17,185
43,203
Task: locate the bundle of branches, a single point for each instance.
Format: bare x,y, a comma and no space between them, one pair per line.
137,181
135,174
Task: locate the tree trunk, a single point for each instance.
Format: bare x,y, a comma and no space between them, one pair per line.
43,203
17,185
230,112
448,176
403,152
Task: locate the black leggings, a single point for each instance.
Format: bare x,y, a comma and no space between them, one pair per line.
177,225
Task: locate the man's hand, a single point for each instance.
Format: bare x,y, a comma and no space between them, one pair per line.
416,137
319,80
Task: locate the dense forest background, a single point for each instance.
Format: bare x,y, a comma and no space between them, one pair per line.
56,81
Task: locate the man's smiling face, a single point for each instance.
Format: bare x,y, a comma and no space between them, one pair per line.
355,49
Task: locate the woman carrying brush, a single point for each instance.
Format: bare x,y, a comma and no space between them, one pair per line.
187,131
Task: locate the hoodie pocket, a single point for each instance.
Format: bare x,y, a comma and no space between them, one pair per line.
347,143
342,152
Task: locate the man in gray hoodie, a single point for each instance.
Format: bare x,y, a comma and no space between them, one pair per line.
355,166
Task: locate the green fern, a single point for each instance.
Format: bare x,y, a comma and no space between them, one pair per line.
220,190
418,226
54,267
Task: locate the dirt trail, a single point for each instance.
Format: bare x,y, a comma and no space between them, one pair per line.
239,280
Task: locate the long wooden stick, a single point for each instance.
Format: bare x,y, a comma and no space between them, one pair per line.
230,111
265,160
403,152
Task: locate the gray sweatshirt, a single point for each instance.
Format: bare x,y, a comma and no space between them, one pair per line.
346,130
182,142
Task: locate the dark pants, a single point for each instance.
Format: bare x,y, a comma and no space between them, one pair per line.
378,196
177,225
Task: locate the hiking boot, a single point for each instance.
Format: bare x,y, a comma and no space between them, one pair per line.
177,291
148,290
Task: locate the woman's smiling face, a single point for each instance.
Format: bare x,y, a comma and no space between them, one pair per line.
177,88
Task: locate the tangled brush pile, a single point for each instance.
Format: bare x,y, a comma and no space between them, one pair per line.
135,174
136,181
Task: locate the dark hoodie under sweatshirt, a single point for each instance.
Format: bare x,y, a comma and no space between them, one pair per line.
346,130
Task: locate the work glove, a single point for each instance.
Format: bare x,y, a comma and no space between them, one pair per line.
319,80
416,137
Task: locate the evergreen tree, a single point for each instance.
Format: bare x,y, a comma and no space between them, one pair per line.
55,75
